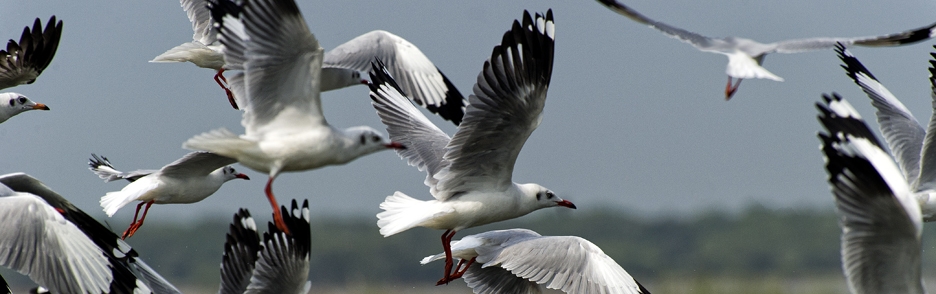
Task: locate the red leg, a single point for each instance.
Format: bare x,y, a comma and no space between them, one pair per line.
729,90
277,216
458,273
447,247
219,77
136,225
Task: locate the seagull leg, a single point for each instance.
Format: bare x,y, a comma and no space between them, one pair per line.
729,90
458,273
219,77
277,216
136,225
447,247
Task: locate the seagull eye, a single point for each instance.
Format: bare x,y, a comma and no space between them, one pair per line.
356,75
550,195
375,138
22,100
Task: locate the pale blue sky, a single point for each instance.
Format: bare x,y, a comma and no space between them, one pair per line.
634,120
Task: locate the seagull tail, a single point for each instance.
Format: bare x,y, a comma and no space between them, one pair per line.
432,258
220,141
181,53
402,213
112,201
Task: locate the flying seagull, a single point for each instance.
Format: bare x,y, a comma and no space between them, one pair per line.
22,62
745,55
880,217
519,260
189,179
341,66
470,174
285,130
62,248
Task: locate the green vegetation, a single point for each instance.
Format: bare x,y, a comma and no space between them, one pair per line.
756,251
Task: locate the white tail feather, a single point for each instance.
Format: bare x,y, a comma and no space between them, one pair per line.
181,53
402,213
220,141
112,201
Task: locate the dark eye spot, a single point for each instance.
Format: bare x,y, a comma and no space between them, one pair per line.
375,138
550,195
538,196
12,101
22,100
363,139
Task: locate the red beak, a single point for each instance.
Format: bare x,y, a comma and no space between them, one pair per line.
242,176
565,203
395,145
365,82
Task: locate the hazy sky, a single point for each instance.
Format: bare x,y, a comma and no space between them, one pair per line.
634,120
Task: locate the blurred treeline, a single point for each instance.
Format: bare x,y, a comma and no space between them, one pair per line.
755,244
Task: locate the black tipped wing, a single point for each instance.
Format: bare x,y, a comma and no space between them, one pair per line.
21,63
881,220
240,254
283,264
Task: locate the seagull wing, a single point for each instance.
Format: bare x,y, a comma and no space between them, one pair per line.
902,38
927,179
198,163
240,254
505,108
417,76
283,61
21,63
202,23
881,220
699,41
283,265
903,134
425,143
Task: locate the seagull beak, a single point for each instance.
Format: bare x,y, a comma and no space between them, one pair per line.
395,145
565,203
40,106
242,176
365,82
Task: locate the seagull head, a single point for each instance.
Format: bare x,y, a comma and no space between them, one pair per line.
368,140
14,103
544,197
230,174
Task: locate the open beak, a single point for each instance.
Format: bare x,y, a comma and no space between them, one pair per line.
242,176
395,145
40,106
566,203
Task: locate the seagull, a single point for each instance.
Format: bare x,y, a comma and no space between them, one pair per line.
189,179
910,143
280,264
518,260
285,130
21,63
204,50
341,67
62,248
745,55
880,217
470,174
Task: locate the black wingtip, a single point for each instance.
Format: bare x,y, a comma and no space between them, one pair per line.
297,221
837,119
381,76
454,107
851,64
220,8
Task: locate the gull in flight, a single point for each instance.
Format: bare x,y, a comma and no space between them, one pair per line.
189,179
280,64
62,248
519,260
341,66
21,63
880,217
470,174
745,55
911,144
278,264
